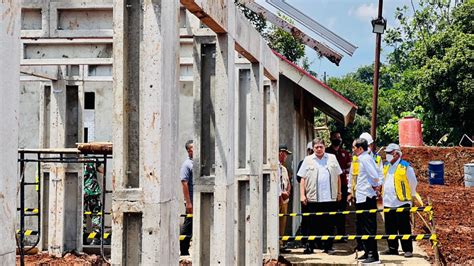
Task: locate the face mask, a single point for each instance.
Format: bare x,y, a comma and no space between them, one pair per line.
389,157
336,142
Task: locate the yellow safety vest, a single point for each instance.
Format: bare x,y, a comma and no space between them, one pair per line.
355,172
400,179
355,169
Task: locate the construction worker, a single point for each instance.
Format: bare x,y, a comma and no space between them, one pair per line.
399,189
92,198
364,179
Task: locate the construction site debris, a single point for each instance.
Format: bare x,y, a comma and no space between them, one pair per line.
69,259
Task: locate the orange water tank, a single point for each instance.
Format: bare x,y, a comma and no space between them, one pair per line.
409,132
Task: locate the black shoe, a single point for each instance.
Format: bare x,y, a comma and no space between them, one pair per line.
389,252
363,257
370,260
284,250
308,250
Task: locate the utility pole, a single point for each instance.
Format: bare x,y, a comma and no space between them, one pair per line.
379,25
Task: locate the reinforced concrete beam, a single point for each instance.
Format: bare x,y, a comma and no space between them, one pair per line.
231,21
9,104
145,202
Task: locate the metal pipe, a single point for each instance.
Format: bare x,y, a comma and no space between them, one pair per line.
22,209
378,39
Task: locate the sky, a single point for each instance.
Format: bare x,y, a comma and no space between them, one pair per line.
351,20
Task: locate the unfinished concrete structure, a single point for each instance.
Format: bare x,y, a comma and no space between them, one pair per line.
237,100
9,79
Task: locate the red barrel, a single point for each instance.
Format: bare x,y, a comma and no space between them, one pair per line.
409,132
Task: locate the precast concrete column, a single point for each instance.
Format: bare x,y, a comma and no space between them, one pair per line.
222,240
256,165
145,221
9,103
57,171
272,205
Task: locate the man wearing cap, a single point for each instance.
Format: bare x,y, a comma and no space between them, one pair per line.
399,189
344,161
362,187
285,189
320,189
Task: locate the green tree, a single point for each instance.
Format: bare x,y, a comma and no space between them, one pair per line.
433,62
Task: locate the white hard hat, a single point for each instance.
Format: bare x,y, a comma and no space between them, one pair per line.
392,147
367,137
309,146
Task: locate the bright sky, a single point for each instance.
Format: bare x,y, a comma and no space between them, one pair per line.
349,19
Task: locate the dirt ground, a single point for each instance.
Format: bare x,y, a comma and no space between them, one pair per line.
452,203
453,209
69,259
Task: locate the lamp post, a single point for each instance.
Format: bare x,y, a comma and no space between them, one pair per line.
378,27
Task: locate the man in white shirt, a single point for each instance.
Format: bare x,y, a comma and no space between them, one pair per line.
399,189
320,189
366,182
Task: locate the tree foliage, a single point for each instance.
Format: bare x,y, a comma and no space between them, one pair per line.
279,40
428,74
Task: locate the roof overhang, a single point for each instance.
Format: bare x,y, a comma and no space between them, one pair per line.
324,98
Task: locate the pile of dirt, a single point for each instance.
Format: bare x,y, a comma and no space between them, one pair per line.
454,222
453,203
454,159
69,259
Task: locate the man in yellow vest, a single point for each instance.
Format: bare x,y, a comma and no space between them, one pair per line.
399,189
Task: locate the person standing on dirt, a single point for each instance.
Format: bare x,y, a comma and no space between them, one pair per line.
320,189
363,187
344,160
186,176
399,190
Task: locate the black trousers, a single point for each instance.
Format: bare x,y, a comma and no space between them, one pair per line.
305,222
398,223
319,225
342,206
367,225
186,229
324,224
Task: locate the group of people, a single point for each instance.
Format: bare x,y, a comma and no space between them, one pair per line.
330,179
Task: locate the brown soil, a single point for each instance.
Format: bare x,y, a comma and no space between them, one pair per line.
453,204
68,259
